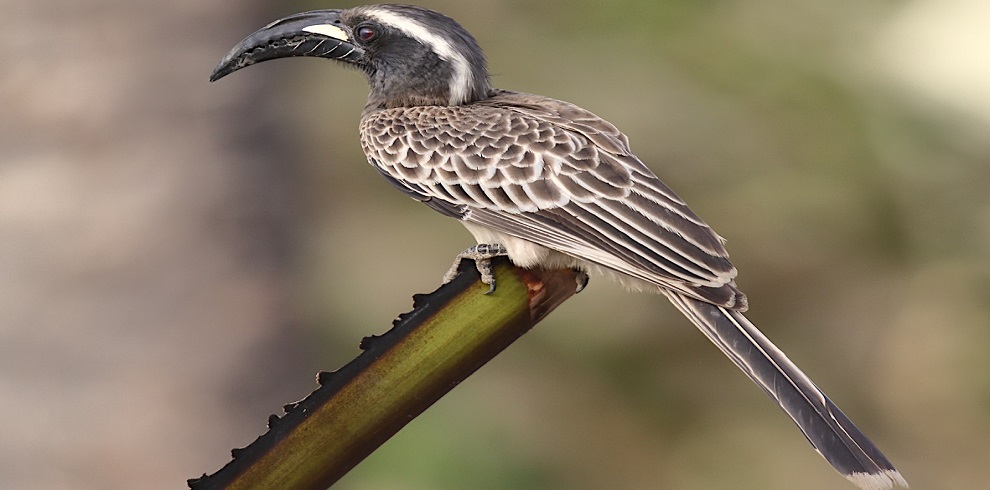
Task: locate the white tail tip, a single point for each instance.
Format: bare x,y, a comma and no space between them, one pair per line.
878,481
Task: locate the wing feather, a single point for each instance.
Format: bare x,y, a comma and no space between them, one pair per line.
662,237
556,175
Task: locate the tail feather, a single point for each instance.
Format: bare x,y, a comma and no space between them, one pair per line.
831,433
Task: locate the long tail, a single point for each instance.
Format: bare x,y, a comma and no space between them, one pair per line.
832,434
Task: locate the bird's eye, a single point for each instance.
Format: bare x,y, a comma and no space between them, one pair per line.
366,33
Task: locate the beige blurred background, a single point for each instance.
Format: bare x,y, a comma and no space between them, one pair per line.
178,258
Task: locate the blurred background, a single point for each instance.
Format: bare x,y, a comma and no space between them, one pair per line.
179,258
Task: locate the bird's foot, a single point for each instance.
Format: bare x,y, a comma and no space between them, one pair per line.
582,280
482,255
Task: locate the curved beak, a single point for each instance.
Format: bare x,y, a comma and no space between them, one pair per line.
318,33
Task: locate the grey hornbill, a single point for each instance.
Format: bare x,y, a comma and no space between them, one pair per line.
550,185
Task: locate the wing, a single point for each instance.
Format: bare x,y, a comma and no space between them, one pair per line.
554,174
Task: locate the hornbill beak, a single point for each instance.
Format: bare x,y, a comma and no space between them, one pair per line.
318,33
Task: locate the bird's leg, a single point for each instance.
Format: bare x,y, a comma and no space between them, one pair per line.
482,255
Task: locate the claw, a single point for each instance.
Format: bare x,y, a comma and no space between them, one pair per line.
482,255
582,280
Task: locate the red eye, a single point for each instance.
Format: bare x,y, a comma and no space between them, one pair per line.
365,33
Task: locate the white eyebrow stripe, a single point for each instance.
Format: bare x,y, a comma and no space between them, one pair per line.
460,82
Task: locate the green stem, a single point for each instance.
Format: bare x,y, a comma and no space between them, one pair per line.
449,334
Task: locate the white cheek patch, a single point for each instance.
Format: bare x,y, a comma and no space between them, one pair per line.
328,30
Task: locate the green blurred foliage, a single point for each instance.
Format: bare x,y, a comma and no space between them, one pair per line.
856,210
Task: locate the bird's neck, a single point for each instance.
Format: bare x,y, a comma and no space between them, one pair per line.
425,85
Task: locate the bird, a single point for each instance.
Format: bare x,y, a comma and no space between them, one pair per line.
548,184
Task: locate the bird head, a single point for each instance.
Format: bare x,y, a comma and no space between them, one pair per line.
411,55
